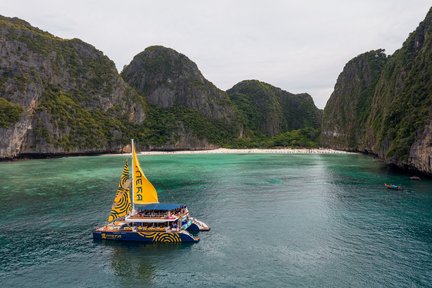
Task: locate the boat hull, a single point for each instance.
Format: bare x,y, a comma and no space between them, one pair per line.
151,237
197,226
393,187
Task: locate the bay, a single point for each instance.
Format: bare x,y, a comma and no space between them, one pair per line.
278,220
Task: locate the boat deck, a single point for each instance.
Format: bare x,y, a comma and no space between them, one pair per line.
155,218
130,229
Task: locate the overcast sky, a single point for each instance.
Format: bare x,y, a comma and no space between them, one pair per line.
299,46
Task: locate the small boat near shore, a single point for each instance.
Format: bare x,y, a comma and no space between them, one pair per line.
393,187
142,218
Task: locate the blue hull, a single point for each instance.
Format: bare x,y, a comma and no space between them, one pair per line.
197,226
150,237
193,228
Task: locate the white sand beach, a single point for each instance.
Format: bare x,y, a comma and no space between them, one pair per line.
251,151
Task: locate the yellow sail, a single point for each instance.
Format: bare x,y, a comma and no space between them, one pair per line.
144,192
122,204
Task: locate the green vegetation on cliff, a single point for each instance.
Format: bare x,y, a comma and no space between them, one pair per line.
183,100
165,126
76,102
403,101
268,110
347,110
274,117
85,128
186,107
384,105
301,138
9,112
75,98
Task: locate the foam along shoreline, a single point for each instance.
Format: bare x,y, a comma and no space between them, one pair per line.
250,151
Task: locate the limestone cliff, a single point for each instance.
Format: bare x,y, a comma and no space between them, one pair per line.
176,89
401,110
395,122
65,95
269,111
347,110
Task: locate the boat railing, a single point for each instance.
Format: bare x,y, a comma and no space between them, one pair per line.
158,216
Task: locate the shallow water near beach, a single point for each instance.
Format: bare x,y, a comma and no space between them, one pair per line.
277,221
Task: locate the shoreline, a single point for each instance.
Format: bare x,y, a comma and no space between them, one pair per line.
250,151
30,156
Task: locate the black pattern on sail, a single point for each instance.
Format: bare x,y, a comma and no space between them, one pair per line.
122,204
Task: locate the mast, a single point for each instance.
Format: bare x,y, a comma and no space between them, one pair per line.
133,173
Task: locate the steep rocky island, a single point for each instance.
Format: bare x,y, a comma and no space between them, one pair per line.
60,96
274,117
191,112
383,105
346,113
268,110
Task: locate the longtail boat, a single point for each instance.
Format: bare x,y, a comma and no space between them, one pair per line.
393,187
141,217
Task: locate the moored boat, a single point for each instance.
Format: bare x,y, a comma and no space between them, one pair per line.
141,217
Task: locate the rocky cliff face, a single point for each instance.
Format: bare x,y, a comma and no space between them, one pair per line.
168,78
268,110
174,86
402,105
398,124
347,110
65,96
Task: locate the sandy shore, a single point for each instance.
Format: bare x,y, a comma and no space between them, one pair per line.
251,151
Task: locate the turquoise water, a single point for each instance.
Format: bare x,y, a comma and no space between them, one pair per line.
277,221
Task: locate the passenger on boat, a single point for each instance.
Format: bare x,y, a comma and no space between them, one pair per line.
169,216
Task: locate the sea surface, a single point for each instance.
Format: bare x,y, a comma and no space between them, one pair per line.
277,221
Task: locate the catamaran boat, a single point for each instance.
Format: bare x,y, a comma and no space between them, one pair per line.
144,218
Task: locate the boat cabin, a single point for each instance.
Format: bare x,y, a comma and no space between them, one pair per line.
156,217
